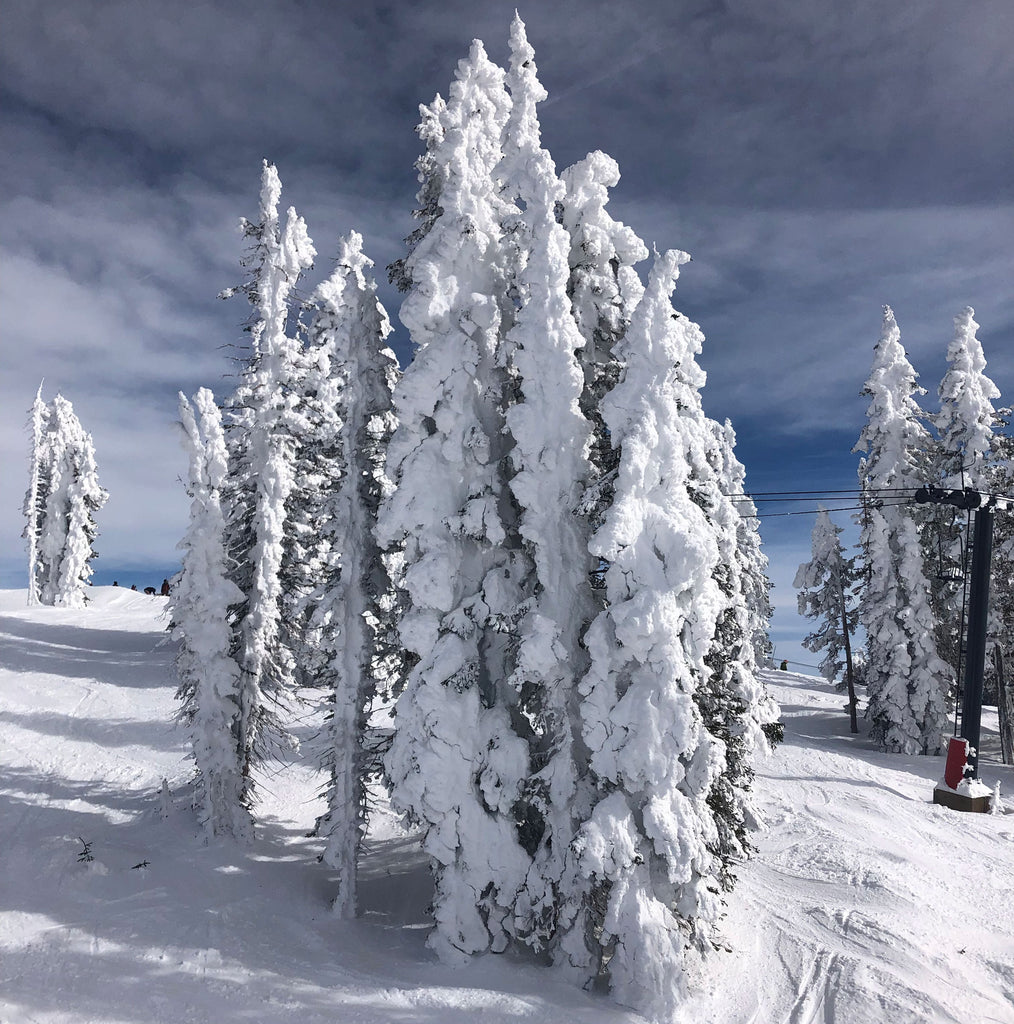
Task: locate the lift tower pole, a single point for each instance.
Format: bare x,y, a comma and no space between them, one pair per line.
978,614
978,609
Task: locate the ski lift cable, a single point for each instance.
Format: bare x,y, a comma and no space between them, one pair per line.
814,511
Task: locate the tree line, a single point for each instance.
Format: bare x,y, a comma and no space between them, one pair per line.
905,584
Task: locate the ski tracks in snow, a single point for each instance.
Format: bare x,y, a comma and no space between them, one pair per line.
876,904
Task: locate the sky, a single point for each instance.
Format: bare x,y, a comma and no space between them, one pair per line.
818,159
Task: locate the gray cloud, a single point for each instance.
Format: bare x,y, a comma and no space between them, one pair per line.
816,159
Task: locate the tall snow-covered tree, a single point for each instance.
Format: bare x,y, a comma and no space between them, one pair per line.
68,498
355,601
825,584
201,595
734,703
644,854
37,493
965,426
457,763
908,682
550,472
966,422
264,426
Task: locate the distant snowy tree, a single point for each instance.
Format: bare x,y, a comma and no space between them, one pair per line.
908,683
264,426
965,428
644,854
825,584
354,601
967,420
551,469
201,595
37,494
456,764
66,500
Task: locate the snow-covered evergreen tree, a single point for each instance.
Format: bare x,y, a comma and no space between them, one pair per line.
825,584
967,419
38,491
549,459
644,854
604,290
66,528
965,429
735,705
264,427
754,582
457,764
355,600
201,595
908,683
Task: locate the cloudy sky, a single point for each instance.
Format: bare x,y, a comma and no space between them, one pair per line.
817,158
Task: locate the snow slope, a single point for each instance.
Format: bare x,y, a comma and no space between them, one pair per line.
865,902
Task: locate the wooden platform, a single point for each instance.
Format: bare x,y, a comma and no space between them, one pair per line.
960,802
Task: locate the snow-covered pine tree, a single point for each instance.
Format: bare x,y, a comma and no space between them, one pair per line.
264,427
826,594
355,601
734,704
967,420
549,459
755,584
604,289
456,763
72,496
965,429
35,498
644,854
908,683
201,595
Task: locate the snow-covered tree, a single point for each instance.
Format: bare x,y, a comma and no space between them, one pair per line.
644,853
965,426
753,563
825,584
966,422
67,495
37,494
355,601
201,595
734,703
908,683
264,427
550,472
604,290
456,764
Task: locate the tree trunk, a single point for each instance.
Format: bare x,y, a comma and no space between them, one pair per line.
849,677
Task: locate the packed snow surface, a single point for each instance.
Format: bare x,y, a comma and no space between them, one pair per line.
865,902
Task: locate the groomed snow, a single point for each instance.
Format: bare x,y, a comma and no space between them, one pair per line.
865,902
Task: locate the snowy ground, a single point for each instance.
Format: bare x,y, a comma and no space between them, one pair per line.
865,902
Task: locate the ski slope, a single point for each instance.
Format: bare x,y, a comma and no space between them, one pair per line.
864,903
